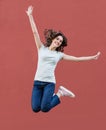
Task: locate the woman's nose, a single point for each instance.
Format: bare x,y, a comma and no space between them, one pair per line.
58,41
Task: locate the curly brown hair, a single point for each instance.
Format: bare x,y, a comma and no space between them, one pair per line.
50,34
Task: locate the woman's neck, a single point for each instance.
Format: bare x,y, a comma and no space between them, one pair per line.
52,48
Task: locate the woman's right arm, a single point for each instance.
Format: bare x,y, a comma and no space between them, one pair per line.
34,28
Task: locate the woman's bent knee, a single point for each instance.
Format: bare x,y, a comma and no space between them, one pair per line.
36,109
45,109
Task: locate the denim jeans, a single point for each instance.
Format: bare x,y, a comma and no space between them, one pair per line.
42,96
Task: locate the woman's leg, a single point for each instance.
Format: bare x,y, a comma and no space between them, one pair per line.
37,93
48,100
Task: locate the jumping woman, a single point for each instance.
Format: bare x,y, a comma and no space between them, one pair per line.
49,54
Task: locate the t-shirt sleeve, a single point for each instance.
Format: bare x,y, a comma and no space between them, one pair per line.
42,46
61,55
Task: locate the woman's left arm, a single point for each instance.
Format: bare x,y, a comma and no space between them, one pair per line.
84,58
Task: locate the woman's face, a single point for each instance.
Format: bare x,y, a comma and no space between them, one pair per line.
57,41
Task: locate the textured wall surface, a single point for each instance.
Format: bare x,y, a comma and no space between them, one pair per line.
84,24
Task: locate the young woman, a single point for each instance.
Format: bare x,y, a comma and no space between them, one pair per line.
49,54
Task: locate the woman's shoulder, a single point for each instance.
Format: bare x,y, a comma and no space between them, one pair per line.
42,46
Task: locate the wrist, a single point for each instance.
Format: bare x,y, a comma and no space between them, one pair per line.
93,57
29,15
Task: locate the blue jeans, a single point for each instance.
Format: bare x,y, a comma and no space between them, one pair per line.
42,96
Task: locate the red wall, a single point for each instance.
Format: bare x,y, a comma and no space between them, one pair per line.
84,24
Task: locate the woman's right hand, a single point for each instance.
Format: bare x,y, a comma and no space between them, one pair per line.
97,56
30,10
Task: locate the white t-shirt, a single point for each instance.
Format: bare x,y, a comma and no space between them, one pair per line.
47,61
